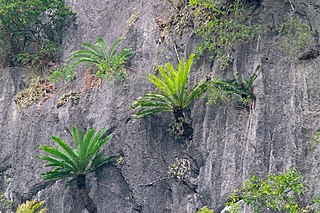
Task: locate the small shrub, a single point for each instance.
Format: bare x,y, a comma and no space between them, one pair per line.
63,73
109,62
221,27
297,35
277,192
38,91
31,207
29,25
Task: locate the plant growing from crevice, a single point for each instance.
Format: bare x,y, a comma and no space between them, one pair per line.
39,91
181,169
109,61
297,36
220,26
223,90
31,207
28,26
74,164
71,96
174,96
279,193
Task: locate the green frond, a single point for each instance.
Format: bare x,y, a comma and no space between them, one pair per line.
173,93
113,50
83,159
195,93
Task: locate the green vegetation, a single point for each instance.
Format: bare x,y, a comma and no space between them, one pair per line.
297,36
109,61
75,164
32,29
31,207
316,137
277,193
5,204
220,90
173,96
71,96
38,91
221,27
181,169
205,209
63,73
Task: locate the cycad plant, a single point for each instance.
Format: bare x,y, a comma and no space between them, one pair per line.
108,61
174,96
239,86
75,164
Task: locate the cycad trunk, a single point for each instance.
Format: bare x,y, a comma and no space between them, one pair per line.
185,129
87,201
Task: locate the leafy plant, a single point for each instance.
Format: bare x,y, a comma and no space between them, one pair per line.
221,27
297,36
75,164
224,89
31,207
276,193
205,209
63,73
109,61
28,25
174,96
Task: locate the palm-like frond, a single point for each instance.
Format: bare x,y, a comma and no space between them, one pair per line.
85,158
240,86
172,84
104,58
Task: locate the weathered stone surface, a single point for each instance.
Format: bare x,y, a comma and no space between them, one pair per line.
228,146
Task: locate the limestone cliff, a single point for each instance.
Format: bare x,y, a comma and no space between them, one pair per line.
229,145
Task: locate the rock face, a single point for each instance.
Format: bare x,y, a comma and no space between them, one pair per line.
228,146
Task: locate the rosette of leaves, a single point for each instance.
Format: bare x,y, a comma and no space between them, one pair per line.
109,61
173,95
74,164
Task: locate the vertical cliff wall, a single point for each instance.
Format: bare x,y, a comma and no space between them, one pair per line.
228,147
